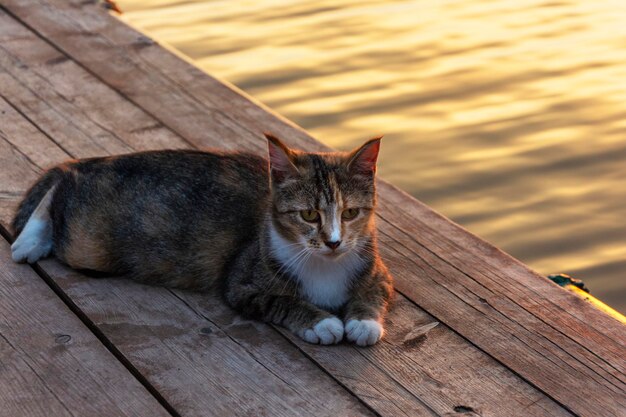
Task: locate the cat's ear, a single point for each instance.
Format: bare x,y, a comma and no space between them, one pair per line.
281,159
363,160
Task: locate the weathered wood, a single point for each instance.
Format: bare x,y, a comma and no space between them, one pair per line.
446,292
141,71
380,386
458,276
50,363
23,164
56,87
430,375
496,286
199,367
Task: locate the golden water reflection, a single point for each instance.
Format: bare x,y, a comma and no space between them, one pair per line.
507,116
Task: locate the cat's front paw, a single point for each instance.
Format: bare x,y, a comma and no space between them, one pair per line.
364,332
327,331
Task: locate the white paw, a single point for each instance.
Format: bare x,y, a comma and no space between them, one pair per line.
364,332
326,332
34,243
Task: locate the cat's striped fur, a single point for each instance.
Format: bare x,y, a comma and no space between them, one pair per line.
224,221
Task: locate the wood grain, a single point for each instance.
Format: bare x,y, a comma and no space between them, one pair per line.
429,376
51,87
50,363
198,366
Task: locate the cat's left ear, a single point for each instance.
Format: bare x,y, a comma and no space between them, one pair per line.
363,160
281,159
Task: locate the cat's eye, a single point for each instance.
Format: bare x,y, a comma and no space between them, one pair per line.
310,215
349,214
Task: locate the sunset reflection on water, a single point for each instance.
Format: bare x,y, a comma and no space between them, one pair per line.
507,116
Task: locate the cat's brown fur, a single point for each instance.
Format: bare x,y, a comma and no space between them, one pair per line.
213,220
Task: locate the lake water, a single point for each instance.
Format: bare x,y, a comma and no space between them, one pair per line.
507,116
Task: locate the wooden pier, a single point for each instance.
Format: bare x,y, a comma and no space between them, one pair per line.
76,82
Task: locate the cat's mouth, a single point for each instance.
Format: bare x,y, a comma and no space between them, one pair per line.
334,254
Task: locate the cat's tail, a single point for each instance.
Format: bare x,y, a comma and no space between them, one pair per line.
33,196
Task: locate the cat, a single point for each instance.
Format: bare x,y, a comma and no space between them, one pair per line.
292,242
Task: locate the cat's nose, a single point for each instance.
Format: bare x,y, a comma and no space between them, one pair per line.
333,245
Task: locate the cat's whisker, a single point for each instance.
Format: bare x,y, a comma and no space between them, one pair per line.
273,252
294,259
303,263
373,253
363,245
297,267
285,266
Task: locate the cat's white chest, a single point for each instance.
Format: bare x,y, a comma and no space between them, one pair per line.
323,282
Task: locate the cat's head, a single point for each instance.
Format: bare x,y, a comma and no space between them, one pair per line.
323,203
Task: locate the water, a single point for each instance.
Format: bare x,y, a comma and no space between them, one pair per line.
507,116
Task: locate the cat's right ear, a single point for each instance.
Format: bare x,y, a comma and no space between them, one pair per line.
281,159
363,159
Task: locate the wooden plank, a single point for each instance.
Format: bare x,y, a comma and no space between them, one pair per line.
419,276
501,278
198,366
14,181
107,125
379,385
50,363
201,116
524,353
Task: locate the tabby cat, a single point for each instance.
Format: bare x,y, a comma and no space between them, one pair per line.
293,245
